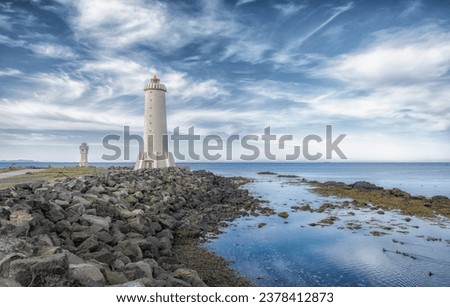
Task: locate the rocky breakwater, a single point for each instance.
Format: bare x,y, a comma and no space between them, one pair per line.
117,228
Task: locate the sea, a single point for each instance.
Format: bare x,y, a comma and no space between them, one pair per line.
273,251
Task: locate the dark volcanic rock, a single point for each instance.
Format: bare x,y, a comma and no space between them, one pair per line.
364,185
40,271
86,275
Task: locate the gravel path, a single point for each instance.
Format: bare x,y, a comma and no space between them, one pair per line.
19,172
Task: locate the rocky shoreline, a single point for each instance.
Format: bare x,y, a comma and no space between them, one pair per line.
120,228
364,193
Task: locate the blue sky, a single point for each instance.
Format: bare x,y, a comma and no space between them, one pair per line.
378,71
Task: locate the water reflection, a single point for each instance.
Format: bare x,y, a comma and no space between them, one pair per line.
290,252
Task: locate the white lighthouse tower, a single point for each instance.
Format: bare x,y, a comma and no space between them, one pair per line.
84,150
156,143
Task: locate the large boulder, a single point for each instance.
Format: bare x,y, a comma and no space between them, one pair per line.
55,213
86,275
103,222
189,276
40,271
130,249
8,282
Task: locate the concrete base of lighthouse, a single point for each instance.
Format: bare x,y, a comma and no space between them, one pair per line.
144,161
83,164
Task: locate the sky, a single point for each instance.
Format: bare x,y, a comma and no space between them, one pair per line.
377,71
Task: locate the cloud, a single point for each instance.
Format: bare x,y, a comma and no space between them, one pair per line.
246,50
45,49
288,8
183,86
395,57
411,8
335,13
52,50
155,24
5,23
10,72
242,2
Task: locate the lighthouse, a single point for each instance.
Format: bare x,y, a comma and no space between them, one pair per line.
156,143
84,149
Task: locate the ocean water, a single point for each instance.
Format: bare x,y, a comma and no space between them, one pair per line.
427,179
291,252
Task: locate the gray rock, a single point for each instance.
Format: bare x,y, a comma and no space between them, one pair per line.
76,210
5,263
133,284
167,221
118,264
165,246
104,222
103,256
86,275
175,282
8,282
364,185
130,249
189,276
138,270
20,218
64,199
91,244
104,237
40,271
72,258
79,236
55,213
139,195
166,233
41,192
81,200
283,215
115,278
62,226
155,226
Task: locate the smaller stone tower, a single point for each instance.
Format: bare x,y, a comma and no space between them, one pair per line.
84,149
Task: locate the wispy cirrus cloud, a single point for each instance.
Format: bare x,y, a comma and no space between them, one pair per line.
10,72
289,8
335,12
242,2
46,49
398,56
149,23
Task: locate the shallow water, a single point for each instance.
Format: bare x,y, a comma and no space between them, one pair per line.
290,252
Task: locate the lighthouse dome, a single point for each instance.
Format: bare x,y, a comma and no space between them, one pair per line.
155,85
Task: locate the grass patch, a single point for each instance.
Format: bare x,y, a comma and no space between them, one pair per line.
9,169
60,172
47,175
